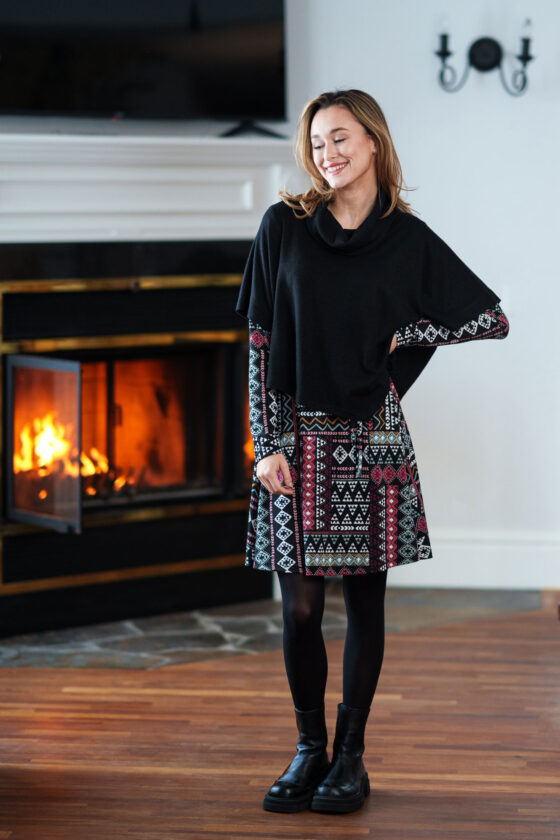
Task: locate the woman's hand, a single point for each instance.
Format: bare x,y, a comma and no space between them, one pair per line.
393,344
267,473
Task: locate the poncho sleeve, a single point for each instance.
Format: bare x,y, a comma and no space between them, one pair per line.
256,295
445,292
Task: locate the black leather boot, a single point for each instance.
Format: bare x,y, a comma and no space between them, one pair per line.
293,790
346,785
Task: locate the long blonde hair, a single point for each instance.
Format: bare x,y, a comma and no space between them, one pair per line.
388,168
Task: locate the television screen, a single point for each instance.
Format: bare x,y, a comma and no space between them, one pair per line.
158,59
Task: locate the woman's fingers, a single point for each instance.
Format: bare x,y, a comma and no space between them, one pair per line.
273,484
286,475
284,472
274,473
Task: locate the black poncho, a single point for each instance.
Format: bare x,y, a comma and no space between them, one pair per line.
333,299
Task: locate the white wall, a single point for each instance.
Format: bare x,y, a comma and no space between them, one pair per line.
484,416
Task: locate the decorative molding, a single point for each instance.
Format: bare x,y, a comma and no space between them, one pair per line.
520,538
74,188
497,559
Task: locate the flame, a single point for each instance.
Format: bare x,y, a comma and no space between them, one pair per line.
95,463
119,483
249,449
43,442
45,447
248,446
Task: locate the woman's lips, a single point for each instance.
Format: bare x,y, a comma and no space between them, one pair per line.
335,169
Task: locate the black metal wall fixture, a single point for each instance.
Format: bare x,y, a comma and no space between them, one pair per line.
486,54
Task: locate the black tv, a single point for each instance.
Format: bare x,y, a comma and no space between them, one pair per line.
156,59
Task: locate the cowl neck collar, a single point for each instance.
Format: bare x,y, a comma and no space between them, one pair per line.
325,228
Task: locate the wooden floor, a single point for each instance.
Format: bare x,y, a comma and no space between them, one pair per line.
463,742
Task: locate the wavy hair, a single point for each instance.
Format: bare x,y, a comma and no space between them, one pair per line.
388,168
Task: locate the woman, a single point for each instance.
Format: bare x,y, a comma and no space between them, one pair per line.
347,295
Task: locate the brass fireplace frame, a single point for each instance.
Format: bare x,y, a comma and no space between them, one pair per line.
93,519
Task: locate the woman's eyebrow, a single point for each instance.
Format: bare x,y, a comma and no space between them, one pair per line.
332,131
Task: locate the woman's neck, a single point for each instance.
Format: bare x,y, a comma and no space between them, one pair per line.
351,209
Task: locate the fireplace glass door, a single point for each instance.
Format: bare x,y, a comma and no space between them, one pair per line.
44,441
112,432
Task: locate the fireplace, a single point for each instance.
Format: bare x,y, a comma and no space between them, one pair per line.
127,451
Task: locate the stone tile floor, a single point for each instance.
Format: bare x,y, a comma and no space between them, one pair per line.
241,629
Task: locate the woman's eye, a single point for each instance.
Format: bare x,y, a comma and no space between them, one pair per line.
317,147
340,140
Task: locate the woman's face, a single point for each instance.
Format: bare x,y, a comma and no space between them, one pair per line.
343,151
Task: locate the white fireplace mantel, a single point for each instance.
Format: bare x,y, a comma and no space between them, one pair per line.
74,188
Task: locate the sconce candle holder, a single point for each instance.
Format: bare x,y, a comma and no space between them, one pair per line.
485,54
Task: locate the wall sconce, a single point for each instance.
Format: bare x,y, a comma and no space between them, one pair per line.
486,54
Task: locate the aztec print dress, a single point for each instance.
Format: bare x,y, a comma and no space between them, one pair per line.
357,505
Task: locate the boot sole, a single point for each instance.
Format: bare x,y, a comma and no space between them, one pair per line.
339,805
287,806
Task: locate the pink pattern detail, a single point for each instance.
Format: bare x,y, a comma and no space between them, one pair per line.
309,482
391,528
377,475
389,474
257,338
402,474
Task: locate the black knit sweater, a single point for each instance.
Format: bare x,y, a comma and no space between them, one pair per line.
332,300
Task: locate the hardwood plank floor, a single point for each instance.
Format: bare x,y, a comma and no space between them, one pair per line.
462,743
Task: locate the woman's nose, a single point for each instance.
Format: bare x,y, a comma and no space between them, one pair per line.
329,152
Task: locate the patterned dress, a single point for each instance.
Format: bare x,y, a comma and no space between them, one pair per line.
357,505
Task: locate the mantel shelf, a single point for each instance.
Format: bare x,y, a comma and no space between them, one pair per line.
78,188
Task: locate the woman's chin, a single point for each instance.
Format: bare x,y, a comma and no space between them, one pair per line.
338,183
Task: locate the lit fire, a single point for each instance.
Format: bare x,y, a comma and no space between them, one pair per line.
46,448
43,442
248,446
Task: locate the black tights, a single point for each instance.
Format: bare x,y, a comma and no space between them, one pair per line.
303,601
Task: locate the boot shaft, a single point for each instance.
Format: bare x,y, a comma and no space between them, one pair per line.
312,729
350,730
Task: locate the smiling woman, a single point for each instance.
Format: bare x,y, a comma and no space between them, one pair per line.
347,294
358,114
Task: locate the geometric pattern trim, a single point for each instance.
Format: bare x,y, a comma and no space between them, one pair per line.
492,323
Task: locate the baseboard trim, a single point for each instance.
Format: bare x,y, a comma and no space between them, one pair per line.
486,560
